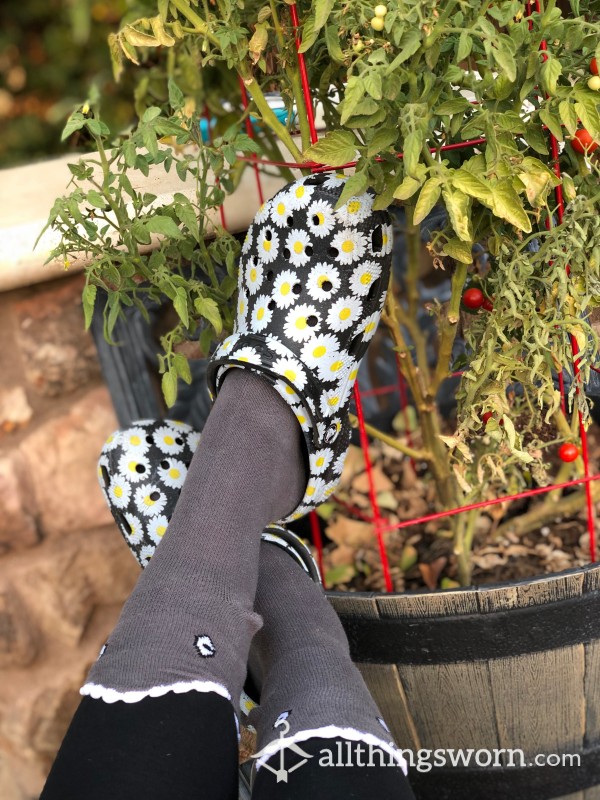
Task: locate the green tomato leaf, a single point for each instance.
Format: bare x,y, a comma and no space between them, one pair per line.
407,188
335,149
180,303
169,387
460,251
207,308
89,299
182,367
550,73
458,205
507,205
164,226
332,40
428,197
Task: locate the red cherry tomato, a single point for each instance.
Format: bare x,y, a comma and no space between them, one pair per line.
594,66
487,304
582,142
473,298
568,452
486,416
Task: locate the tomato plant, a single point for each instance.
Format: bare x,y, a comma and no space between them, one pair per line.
473,298
594,66
583,142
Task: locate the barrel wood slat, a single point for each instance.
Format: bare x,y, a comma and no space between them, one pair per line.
514,666
382,679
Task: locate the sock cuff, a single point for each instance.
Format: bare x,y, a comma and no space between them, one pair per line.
99,692
331,732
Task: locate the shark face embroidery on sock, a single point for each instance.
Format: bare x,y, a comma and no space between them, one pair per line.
204,646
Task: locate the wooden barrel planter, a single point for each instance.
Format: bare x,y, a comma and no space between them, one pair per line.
504,666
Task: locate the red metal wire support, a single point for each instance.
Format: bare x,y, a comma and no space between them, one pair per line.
310,114
377,519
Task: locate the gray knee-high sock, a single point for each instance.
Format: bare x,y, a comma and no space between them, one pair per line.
189,621
309,685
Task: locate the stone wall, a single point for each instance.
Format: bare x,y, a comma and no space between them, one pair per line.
64,571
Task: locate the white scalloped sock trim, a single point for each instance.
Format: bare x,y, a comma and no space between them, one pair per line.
99,692
330,732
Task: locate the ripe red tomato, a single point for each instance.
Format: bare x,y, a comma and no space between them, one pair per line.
582,142
473,298
487,304
486,416
568,452
594,66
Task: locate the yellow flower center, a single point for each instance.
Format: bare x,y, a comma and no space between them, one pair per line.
319,351
174,473
135,440
290,374
310,491
285,288
336,366
281,209
300,192
348,246
301,323
353,375
260,313
253,274
366,278
320,461
321,280
132,465
267,245
242,358
369,327
148,501
298,247
345,313
160,531
320,217
353,206
333,401
242,308
118,491
300,419
385,239
169,440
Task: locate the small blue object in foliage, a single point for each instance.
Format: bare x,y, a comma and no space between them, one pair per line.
281,113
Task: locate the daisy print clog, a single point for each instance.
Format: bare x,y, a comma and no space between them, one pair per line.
311,287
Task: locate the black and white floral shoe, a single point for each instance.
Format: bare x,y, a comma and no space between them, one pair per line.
312,283
141,471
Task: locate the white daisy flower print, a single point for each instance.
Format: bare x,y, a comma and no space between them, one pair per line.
262,215
261,313
350,246
315,490
136,529
247,242
363,277
134,440
334,179
299,247
283,289
320,460
146,554
112,441
299,195
241,323
172,472
323,281
333,430
268,245
290,369
330,402
286,391
169,440
282,211
343,313
134,468
247,354
332,367
356,209
369,326
319,350
150,500
311,404
320,218
301,511
228,344
254,275
181,426
302,417
338,466
388,239
301,323
193,439
329,489
157,528
277,346
119,492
